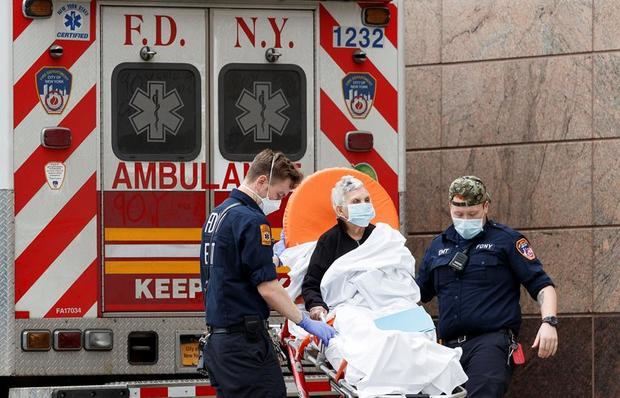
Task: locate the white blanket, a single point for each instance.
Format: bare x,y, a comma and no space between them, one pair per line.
372,281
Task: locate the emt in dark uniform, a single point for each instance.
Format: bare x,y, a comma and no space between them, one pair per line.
475,268
239,283
354,210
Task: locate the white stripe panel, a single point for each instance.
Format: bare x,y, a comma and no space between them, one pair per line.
385,138
92,312
151,251
385,59
31,43
329,155
61,274
27,137
45,204
182,391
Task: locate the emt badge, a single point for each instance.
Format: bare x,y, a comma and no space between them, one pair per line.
53,88
265,235
359,93
524,248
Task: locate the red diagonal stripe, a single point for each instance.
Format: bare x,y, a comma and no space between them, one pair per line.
391,31
82,294
335,125
55,237
30,176
386,96
25,90
20,22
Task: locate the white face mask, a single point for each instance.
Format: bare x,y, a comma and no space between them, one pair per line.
267,205
360,214
468,228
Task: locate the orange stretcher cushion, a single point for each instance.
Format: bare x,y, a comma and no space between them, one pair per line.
309,212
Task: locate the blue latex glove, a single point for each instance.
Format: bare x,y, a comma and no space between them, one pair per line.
320,329
280,245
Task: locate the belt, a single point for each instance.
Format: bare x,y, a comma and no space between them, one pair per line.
236,328
466,337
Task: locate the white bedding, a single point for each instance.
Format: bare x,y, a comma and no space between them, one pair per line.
370,282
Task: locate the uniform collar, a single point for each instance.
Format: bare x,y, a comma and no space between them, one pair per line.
451,234
245,199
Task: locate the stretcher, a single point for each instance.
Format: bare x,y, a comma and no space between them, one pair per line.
308,214
312,352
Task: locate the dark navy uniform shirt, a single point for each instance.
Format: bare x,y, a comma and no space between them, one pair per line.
242,259
484,297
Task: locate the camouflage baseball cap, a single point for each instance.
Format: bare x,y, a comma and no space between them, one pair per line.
471,188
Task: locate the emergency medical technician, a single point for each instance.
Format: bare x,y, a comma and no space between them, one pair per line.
239,277
475,268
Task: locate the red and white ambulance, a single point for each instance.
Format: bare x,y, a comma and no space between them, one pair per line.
122,123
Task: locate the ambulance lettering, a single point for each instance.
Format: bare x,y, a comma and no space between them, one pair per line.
247,27
167,288
165,30
167,175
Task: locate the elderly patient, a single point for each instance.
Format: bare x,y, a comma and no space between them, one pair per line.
354,210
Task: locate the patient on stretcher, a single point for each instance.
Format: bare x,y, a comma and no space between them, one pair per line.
363,275
353,207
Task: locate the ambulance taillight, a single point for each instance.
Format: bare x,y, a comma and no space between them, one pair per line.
359,141
37,8
68,340
56,138
376,16
36,340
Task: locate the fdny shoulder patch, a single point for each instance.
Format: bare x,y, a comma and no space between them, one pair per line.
265,235
525,249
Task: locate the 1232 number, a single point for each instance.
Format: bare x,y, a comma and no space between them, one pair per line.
361,37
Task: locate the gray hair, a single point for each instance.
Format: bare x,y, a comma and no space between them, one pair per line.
346,184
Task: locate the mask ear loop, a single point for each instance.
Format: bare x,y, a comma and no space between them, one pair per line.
273,162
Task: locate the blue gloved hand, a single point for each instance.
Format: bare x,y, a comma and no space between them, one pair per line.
320,329
280,245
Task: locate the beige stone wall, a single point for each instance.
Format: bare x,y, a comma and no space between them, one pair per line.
526,95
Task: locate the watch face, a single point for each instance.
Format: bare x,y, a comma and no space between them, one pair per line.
551,320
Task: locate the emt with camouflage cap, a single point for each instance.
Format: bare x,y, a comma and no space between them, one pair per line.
475,268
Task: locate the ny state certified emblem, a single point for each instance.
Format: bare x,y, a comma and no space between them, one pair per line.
156,111
53,88
262,112
359,93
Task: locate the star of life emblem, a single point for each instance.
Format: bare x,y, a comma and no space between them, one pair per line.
156,111
73,21
262,112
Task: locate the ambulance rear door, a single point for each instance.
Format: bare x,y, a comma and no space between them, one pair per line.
155,151
263,91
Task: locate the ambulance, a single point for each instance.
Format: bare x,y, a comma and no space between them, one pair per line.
122,123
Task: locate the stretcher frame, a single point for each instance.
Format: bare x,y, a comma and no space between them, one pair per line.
310,350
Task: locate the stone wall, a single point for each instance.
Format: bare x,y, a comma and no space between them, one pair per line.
526,95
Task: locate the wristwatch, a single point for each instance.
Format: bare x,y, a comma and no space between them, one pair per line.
551,320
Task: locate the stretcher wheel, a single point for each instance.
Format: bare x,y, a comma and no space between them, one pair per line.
309,212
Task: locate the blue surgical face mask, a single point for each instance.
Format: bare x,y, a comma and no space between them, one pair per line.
360,214
468,228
